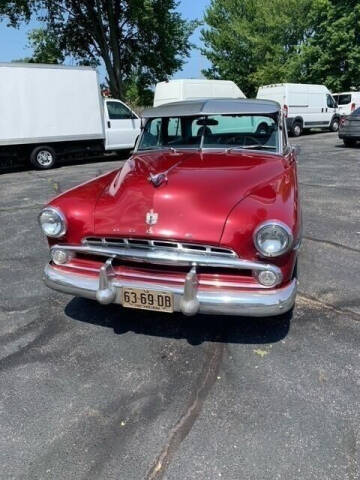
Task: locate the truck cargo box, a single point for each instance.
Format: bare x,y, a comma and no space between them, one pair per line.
49,103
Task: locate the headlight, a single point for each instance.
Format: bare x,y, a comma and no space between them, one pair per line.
272,238
52,222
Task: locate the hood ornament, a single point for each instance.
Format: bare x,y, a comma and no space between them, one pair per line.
157,179
151,217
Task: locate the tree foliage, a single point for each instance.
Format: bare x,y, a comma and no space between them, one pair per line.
331,54
145,40
45,47
255,43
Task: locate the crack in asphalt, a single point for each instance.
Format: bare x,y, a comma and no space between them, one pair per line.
329,186
186,421
333,244
343,311
16,209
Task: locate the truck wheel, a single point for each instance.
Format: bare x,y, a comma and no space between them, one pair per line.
334,125
349,142
43,158
296,129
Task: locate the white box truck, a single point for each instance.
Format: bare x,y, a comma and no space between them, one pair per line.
192,89
305,106
51,111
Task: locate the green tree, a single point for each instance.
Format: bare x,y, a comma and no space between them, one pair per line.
45,47
146,39
310,41
250,41
331,54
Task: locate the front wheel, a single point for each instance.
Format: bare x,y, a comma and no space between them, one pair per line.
334,125
43,157
296,129
349,142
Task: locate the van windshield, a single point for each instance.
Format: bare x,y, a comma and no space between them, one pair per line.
214,131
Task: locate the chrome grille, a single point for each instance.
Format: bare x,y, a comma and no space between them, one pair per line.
156,244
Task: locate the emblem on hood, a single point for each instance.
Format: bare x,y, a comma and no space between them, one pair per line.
157,179
152,217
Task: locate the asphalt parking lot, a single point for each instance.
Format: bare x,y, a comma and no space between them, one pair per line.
91,392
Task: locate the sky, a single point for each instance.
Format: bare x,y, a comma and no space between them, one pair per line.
13,41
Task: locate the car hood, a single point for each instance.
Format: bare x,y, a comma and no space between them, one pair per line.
193,202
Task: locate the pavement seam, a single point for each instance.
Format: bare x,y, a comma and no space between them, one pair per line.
13,209
329,186
333,244
186,421
333,308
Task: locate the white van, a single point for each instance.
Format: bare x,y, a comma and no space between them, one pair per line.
347,102
192,89
305,106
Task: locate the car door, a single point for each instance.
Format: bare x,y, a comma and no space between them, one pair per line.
122,125
330,109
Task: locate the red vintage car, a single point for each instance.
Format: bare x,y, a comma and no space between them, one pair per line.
204,217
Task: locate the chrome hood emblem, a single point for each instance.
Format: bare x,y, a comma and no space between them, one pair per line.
152,217
157,179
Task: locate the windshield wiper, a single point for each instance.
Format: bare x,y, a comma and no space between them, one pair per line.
250,147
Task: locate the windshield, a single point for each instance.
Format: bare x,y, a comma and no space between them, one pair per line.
214,131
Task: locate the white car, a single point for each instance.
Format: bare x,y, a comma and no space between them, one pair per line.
305,106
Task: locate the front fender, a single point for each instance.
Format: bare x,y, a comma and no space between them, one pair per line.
277,200
78,206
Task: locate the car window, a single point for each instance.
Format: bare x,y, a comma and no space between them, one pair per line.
169,132
174,127
213,131
118,111
243,131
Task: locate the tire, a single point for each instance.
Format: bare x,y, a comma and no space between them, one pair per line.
349,142
334,125
43,157
262,129
296,129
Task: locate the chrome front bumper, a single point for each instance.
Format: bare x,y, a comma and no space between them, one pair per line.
189,299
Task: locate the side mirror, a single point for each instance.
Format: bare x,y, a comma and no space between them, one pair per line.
143,122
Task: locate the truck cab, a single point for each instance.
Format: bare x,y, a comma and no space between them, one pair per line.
122,125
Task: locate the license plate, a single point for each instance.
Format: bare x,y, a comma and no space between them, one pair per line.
148,299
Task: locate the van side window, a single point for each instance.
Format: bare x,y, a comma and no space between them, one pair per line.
118,111
330,101
344,99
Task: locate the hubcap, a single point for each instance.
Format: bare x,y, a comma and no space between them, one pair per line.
335,126
44,158
297,130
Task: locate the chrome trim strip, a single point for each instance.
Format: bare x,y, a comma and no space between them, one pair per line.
255,303
158,256
146,243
